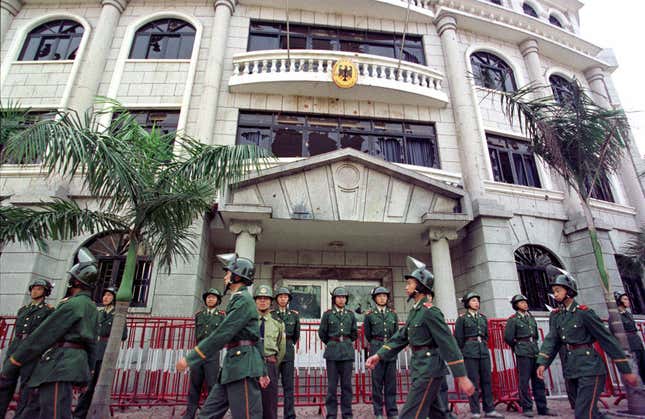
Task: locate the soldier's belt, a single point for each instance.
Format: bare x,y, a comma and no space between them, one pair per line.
69,345
526,339
423,348
572,347
271,359
240,343
339,338
474,338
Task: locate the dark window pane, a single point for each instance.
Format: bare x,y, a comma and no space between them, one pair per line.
324,44
380,50
389,149
295,42
531,262
533,179
505,166
263,42
165,121
529,10
356,141
56,40
562,89
492,72
631,274
287,143
520,176
321,142
420,152
555,21
512,161
164,39
259,137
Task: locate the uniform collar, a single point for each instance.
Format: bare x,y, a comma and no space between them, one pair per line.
339,310
523,315
381,310
211,310
420,303
108,309
572,307
473,313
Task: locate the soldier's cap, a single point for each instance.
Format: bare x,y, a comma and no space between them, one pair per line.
618,295
517,298
48,286
263,291
111,290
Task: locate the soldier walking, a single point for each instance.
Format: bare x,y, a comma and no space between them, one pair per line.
379,326
635,342
29,317
274,343
291,320
65,343
431,343
471,332
521,334
206,321
243,371
576,327
106,316
338,331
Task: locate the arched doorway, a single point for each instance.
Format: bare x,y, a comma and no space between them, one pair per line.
531,261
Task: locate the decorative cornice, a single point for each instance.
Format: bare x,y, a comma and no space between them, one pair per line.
120,5
529,46
12,6
445,22
231,4
254,228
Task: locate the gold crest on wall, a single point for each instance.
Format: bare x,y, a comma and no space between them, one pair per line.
345,74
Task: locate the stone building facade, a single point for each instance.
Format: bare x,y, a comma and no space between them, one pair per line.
415,159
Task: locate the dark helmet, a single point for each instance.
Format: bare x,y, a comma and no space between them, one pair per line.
469,296
48,286
283,290
339,292
85,271
618,295
564,279
516,299
263,291
380,290
111,290
419,272
242,267
212,291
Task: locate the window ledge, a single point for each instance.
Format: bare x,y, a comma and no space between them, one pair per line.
42,62
612,206
19,170
157,60
525,191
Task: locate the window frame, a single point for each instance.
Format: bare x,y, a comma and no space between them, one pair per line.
529,10
561,87
555,21
484,60
531,269
149,30
512,149
39,34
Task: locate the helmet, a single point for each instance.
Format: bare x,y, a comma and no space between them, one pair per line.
111,290
85,271
469,296
284,290
564,279
339,292
379,290
48,286
212,291
263,291
242,267
419,272
618,295
516,299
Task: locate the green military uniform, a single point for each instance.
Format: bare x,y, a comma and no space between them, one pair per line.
29,317
521,334
577,327
66,343
338,331
291,320
274,338
379,326
634,340
431,343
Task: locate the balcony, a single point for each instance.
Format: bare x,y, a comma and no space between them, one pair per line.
309,73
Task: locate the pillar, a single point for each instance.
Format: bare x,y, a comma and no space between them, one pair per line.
246,233
529,50
8,9
444,283
463,105
224,9
626,172
98,50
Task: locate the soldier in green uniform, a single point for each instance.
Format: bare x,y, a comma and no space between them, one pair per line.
521,334
577,327
379,326
338,331
274,344
431,343
471,332
243,371
65,343
291,320
29,317
106,316
206,321
633,338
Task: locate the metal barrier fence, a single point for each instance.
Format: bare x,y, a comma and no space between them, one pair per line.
146,373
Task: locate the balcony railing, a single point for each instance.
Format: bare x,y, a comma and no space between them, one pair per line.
309,73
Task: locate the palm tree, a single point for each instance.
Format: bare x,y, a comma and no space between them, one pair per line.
583,143
153,186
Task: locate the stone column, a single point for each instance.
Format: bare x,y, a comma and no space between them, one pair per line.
463,105
98,49
529,50
8,9
224,9
444,283
627,170
246,233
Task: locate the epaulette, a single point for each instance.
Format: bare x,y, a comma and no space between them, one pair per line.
328,310
583,307
198,312
427,304
512,316
222,312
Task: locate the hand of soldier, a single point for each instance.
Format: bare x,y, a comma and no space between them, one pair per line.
265,381
371,362
181,365
466,385
540,372
630,379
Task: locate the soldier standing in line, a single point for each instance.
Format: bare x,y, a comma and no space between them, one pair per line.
65,343
243,371
521,334
274,343
338,331
106,316
291,320
206,321
577,327
380,325
29,317
428,336
471,332
633,338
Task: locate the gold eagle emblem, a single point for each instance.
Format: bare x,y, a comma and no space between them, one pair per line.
345,74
